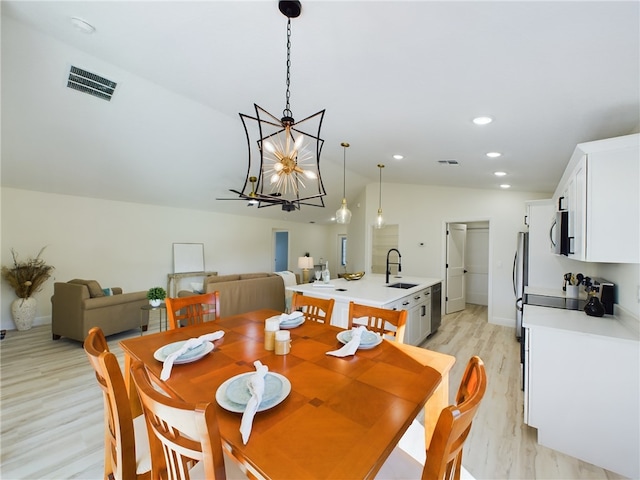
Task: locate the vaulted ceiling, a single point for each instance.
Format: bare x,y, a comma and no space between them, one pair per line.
395,77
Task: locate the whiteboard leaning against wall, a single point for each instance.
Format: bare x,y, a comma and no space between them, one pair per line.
188,257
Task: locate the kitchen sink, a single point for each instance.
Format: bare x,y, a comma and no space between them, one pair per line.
404,286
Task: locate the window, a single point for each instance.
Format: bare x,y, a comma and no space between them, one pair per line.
342,242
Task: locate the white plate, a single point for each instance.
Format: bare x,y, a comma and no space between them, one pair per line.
276,388
190,356
296,322
367,340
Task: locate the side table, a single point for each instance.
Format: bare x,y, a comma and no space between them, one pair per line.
145,309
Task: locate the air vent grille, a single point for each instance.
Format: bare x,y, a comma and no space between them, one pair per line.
448,162
91,83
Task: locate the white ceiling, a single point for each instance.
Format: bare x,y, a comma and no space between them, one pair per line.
394,77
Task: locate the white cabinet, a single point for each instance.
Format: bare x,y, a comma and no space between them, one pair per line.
582,390
600,190
418,307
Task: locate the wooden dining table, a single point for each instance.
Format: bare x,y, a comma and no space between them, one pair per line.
343,416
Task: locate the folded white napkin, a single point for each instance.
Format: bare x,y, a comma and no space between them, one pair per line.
288,317
352,345
256,387
188,345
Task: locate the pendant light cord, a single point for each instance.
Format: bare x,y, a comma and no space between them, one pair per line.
380,193
344,171
287,110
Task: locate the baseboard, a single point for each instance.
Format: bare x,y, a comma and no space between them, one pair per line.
505,322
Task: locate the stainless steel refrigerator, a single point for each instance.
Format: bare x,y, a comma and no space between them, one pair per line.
520,275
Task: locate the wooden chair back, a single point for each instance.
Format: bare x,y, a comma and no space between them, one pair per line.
192,310
182,436
314,309
444,457
377,320
120,456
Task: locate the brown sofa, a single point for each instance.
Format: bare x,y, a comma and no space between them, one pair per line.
79,305
245,292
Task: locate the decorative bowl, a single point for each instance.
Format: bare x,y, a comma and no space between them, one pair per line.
353,276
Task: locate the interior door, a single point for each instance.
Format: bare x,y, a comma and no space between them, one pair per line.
456,245
281,251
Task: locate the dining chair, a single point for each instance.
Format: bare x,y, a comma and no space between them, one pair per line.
126,444
192,310
314,309
184,437
379,320
443,459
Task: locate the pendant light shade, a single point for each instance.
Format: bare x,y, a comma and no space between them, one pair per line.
379,223
343,214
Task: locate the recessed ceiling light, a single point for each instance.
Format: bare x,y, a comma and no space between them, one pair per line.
398,157
83,25
482,120
505,185
499,174
494,154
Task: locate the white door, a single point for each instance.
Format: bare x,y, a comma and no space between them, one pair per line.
456,244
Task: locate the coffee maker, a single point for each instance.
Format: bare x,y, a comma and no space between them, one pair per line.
606,293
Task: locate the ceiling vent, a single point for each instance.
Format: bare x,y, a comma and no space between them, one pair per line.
91,83
448,162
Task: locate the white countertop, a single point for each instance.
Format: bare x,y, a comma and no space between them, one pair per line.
552,292
370,289
619,326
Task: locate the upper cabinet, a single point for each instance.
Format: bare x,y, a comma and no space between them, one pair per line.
600,191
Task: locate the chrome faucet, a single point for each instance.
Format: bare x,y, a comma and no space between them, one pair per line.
398,263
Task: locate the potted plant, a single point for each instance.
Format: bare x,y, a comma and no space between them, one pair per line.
26,278
156,295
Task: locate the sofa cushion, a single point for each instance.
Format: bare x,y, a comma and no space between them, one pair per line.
246,276
107,292
95,290
222,278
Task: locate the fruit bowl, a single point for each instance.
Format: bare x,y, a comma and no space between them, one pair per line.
353,276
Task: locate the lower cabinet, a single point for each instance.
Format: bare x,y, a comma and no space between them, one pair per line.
418,306
582,394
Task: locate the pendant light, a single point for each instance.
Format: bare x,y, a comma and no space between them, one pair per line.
380,219
343,214
288,171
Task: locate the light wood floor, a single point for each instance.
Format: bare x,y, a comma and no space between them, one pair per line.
51,412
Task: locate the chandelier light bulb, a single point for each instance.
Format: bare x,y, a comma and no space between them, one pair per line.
269,147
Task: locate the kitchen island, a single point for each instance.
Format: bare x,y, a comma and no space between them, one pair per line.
422,305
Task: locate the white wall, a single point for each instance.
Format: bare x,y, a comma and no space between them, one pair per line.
422,213
130,245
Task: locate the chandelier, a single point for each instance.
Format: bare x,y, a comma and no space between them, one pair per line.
284,155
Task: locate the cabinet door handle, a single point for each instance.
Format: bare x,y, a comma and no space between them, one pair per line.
405,303
560,200
424,311
571,241
417,298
